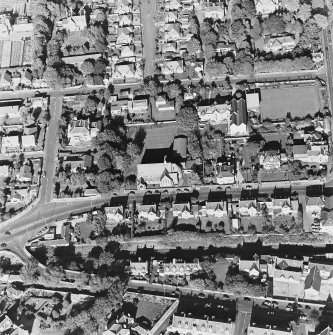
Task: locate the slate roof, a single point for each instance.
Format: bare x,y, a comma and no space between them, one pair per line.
313,279
238,111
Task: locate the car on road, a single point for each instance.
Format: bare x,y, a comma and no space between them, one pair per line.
7,233
44,174
3,245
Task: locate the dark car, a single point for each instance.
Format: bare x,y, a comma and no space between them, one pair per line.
3,245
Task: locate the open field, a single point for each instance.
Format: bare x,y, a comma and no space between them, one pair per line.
298,101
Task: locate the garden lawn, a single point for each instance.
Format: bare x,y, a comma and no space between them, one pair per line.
298,101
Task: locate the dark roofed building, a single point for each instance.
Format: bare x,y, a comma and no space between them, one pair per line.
313,280
238,117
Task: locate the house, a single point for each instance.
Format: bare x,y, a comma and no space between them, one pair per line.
266,7
172,32
158,174
215,208
118,107
124,35
250,267
27,78
269,161
73,23
123,7
6,80
171,5
215,114
4,170
5,324
25,174
164,105
182,211
80,133
114,214
172,67
125,20
79,59
279,44
247,207
124,71
214,9
10,144
28,142
179,268
91,192
139,269
238,117
256,330
223,48
287,284
76,163
127,51
285,206
184,325
21,196
224,176
138,108
147,212
314,206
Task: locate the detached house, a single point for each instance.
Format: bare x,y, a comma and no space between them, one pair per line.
74,23
171,5
10,144
172,67
124,71
250,267
123,7
314,206
158,174
80,133
114,214
266,7
285,207
138,109
279,44
270,161
172,32
215,114
124,35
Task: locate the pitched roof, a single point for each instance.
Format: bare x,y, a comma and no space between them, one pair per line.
238,111
315,201
313,279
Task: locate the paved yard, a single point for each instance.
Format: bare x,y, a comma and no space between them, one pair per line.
298,101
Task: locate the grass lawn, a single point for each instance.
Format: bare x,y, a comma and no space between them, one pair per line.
220,270
298,101
149,310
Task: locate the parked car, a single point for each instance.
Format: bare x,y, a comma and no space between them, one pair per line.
3,245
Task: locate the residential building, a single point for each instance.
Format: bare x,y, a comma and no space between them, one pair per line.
138,109
215,114
73,23
114,214
10,144
224,176
300,152
247,207
139,269
79,59
163,105
147,212
314,206
279,44
184,325
124,71
182,211
223,48
25,174
172,5
255,330
4,170
288,284
250,267
158,175
266,7
214,208
178,268
270,161
28,142
172,67
285,206
80,133
238,117
214,9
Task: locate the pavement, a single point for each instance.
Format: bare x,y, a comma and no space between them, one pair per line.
148,12
328,52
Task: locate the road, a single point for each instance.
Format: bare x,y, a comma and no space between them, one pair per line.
328,52
50,151
148,12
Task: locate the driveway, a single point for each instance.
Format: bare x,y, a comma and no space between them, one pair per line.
148,12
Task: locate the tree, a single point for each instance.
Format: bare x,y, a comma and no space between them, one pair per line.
187,118
193,45
237,30
274,25
210,52
215,69
292,5
193,25
211,38
173,89
87,67
256,29
321,20
304,12
52,77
